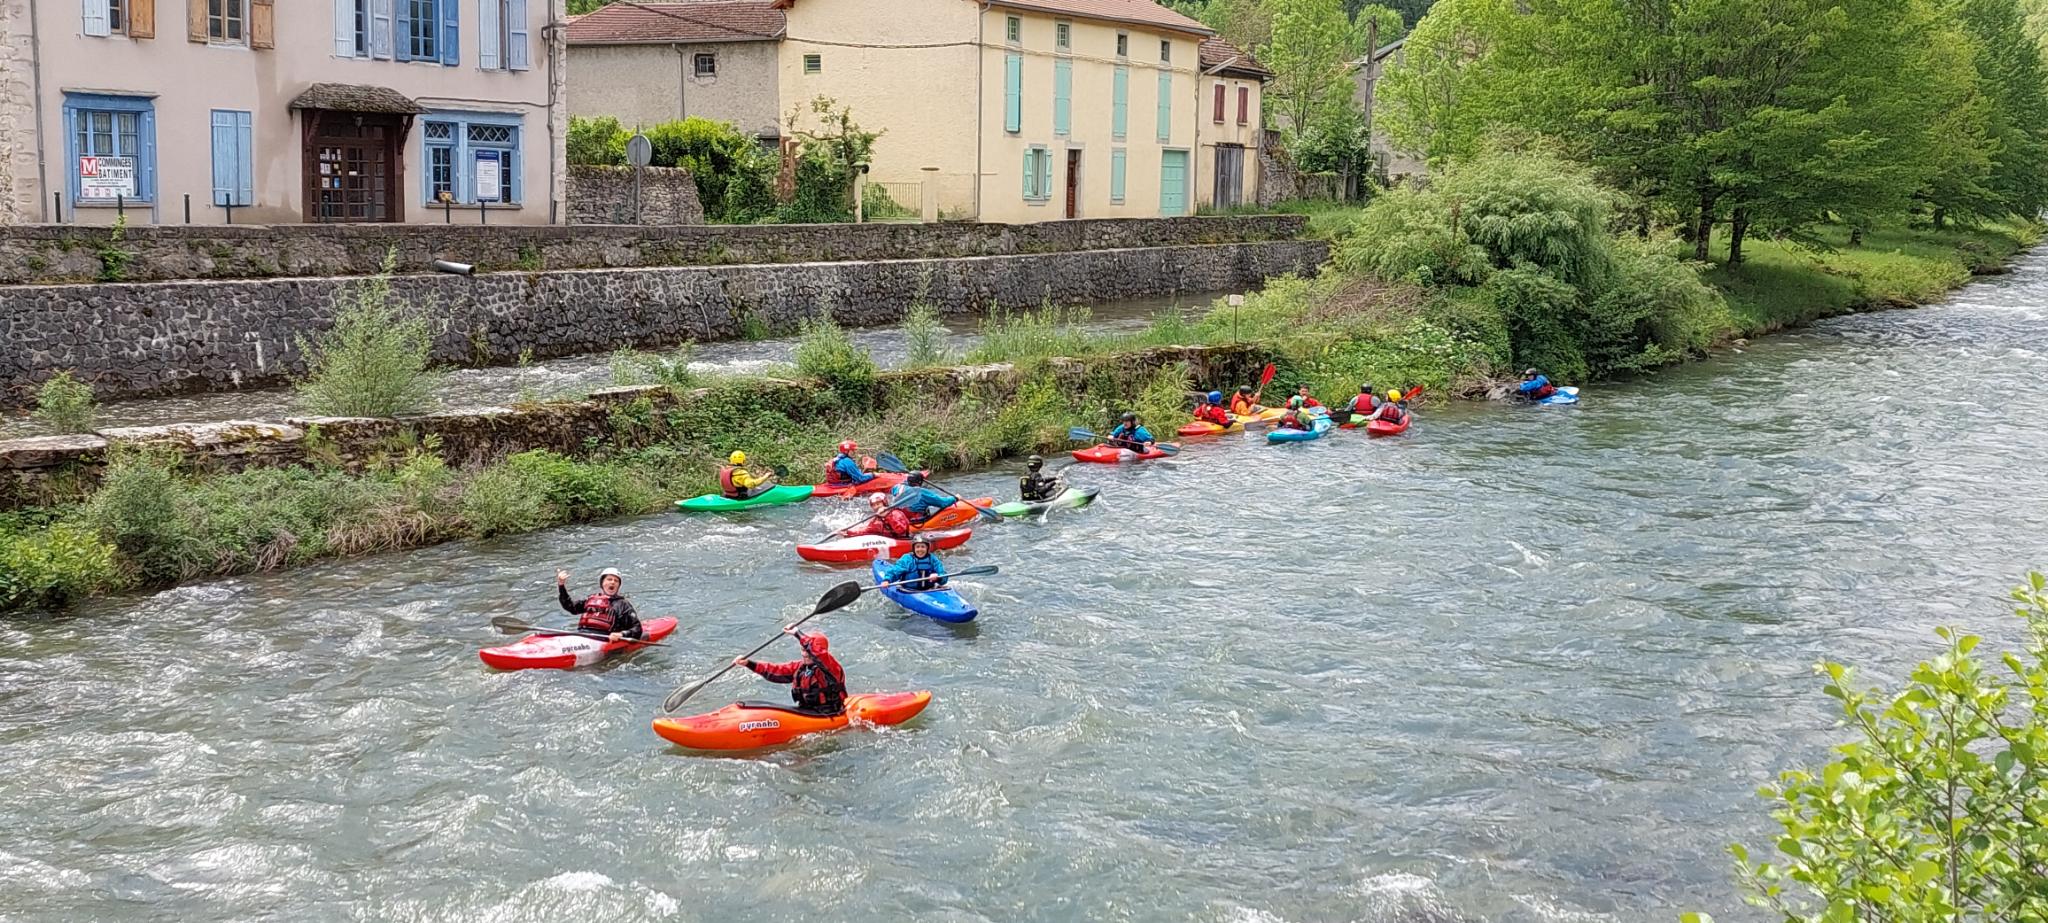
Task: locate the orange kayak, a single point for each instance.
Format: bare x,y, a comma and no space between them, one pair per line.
752,725
1206,428
959,514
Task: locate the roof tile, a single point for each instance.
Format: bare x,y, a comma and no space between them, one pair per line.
636,22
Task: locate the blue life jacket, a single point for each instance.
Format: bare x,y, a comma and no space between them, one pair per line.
912,567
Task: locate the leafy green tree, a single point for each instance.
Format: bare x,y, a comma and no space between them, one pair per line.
1436,103
1936,809
1308,56
2015,86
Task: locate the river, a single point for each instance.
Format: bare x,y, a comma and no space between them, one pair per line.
1517,665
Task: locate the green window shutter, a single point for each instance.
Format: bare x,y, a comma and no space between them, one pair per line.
1120,109
1030,174
1165,105
1013,93
1062,96
1116,175
1044,174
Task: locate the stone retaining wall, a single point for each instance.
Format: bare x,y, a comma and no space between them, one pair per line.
64,253
43,470
158,338
604,195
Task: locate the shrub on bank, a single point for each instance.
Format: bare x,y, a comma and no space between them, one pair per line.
374,361
65,404
826,353
50,565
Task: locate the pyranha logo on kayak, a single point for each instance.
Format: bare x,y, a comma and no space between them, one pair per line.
759,725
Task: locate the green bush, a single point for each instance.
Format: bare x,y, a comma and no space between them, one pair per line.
719,159
633,368
1657,311
923,332
825,352
599,141
66,404
1543,316
1023,336
140,510
500,500
374,361
1528,208
48,567
1407,235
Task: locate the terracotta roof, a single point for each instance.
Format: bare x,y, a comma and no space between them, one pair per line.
643,23
1135,12
1217,52
350,97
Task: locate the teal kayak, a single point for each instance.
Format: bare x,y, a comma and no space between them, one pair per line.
775,496
1071,498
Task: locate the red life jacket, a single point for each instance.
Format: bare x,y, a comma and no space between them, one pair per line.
1364,404
726,485
597,615
1393,413
1210,413
833,476
1543,392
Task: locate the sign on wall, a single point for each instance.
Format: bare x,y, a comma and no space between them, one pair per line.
490,172
106,177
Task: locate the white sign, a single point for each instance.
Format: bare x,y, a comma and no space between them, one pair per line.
106,177
490,169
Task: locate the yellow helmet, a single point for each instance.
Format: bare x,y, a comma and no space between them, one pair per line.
1393,395
739,458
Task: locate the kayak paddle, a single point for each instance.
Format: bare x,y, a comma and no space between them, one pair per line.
508,623
977,571
1081,435
894,465
896,504
838,597
1265,378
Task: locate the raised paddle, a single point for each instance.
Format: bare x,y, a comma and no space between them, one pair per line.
981,570
838,597
894,465
1265,378
508,623
896,504
1081,435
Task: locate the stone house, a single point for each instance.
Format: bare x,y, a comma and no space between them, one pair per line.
1396,165
274,111
1233,85
648,63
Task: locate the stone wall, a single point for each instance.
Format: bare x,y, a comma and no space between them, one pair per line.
44,470
604,195
19,189
157,338
61,253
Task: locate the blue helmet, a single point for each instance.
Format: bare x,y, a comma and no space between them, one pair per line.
1215,397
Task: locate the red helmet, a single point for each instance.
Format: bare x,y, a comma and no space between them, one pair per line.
848,448
815,643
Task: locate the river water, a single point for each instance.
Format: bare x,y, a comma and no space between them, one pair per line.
1519,665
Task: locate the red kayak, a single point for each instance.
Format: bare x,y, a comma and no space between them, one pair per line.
1383,428
1110,455
860,549
882,481
752,725
959,514
567,652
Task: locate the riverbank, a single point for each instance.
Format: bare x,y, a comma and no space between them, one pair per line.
156,520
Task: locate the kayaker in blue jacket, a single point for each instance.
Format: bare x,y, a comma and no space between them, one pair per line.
923,501
920,568
606,612
845,469
1130,434
1535,386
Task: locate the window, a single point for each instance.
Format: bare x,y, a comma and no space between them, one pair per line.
234,173
1123,44
112,148
1013,93
1244,105
1165,52
1037,174
1062,96
1219,103
1013,30
224,21
1166,105
1118,165
501,35
103,17
472,157
706,65
1120,103
813,64
352,28
420,32
1063,36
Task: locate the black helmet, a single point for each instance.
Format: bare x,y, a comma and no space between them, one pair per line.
1365,388
1035,462
1530,373
1129,417
1244,389
914,478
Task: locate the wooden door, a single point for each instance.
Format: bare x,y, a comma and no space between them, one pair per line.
1073,184
1229,176
1173,183
354,168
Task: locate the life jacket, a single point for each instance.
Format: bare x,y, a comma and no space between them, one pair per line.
726,485
1036,487
818,686
920,569
1210,413
1547,390
1241,405
597,615
1296,419
1393,413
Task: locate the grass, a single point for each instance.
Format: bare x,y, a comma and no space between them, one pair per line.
374,361
1780,284
65,404
1327,219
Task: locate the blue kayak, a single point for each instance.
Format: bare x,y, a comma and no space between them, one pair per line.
1322,425
943,605
1563,396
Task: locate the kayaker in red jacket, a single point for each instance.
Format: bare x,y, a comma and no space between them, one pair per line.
817,682
1297,416
605,612
887,522
1390,410
1210,410
1366,401
1307,399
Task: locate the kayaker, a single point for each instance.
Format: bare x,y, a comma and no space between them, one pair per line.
1307,399
1535,386
925,501
1297,415
1034,486
1390,410
817,681
1366,401
1244,403
892,523
919,570
845,469
605,612
1131,434
1210,409
735,482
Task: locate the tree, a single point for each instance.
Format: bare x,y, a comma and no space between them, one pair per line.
827,162
2015,87
580,7
1308,57
1435,102
1936,809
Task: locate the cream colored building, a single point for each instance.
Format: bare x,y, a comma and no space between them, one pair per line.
284,111
1232,126
1023,110
648,63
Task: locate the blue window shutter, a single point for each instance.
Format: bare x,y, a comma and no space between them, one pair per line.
1062,96
224,149
1045,174
1120,110
1165,105
344,29
145,179
488,56
245,158
1030,174
71,178
96,18
381,29
451,32
518,55
401,29
1013,92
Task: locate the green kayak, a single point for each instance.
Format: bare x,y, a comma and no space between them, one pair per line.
776,496
1071,498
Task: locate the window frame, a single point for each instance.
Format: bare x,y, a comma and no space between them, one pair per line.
1039,158
420,31
699,59
1123,45
117,17
814,64
240,21
461,149
1166,51
1062,35
143,108
1013,30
